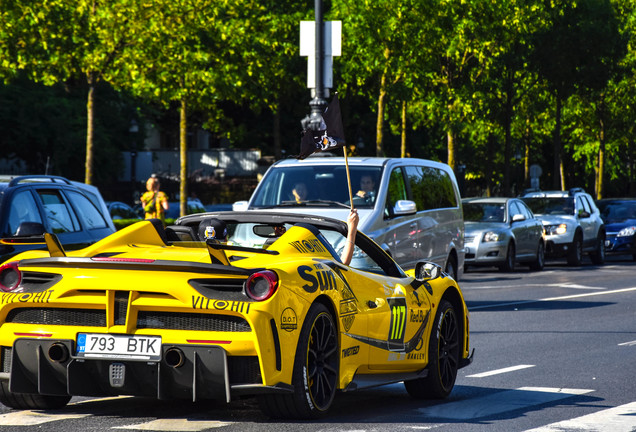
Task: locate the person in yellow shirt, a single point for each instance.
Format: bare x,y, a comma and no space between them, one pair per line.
154,201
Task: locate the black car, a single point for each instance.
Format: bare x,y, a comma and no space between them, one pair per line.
35,204
619,215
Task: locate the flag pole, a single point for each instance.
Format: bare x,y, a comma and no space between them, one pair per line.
344,149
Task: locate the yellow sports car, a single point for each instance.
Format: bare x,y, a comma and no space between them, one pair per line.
223,305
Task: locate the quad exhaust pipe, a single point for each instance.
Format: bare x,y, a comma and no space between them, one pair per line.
174,357
58,353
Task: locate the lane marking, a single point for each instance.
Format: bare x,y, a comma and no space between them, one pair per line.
618,419
553,285
176,425
32,418
631,343
500,402
499,371
548,299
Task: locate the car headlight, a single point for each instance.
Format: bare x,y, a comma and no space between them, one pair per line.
556,229
627,232
491,236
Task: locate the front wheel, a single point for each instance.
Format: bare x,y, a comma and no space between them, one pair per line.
511,259
575,255
315,375
443,354
25,401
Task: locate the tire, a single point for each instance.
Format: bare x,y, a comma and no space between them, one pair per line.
24,401
511,259
598,256
443,354
575,254
315,375
451,267
539,262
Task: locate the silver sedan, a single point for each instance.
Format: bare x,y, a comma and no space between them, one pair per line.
501,232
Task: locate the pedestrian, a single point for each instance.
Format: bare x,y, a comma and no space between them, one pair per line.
154,201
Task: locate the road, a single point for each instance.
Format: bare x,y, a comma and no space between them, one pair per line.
555,351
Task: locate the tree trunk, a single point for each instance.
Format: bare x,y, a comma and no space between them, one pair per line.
183,146
379,134
557,180
507,136
451,149
601,162
403,140
277,138
90,107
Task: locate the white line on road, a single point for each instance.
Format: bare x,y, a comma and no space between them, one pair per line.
500,402
176,425
499,371
618,419
631,343
573,296
32,418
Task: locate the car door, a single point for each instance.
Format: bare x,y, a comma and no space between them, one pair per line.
401,230
534,228
586,222
520,229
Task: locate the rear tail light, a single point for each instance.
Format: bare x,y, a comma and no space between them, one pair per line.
261,285
10,277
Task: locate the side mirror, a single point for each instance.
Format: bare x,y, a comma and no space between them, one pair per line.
239,206
425,270
30,229
583,214
404,207
518,217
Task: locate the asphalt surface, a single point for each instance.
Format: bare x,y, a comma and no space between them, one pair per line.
554,351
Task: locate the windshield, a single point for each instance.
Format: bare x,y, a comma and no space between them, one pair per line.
551,206
484,212
308,185
617,211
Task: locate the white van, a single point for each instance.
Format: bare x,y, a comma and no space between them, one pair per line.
412,207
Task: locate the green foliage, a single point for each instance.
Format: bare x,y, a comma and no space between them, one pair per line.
480,80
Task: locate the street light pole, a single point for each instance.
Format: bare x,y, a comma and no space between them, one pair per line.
318,103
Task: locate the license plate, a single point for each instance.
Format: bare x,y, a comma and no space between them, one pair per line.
109,346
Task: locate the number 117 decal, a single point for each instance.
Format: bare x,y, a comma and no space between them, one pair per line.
398,319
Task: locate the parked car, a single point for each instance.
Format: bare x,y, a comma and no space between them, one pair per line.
218,207
411,207
501,232
37,204
119,210
193,206
151,314
619,215
572,224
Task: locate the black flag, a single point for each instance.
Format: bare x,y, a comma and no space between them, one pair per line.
329,136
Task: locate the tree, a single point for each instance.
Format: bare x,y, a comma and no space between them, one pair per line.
55,41
573,53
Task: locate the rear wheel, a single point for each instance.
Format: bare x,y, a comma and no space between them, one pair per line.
25,401
575,254
315,375
443,354
539,262
511,259
598,256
